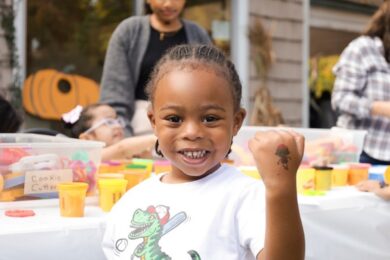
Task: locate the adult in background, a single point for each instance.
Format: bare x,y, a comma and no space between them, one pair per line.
361,94
134,48
10,120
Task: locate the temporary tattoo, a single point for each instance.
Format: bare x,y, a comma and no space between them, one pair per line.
283,152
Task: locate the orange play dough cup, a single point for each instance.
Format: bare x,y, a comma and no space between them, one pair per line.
72,198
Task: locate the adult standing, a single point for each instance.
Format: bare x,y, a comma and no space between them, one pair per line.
361,94
134,48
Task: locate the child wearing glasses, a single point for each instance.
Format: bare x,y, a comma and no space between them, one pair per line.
99,122
201,208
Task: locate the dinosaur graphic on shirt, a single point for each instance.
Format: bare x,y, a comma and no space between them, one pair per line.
151,225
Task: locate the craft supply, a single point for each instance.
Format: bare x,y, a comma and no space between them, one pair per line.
110,191
19,213
72,198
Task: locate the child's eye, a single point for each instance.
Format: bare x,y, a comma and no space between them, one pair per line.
210,119
174,119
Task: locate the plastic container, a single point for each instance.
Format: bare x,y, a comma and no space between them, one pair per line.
250,171
135,176
340,175
335,145
323,178
305,180
110,191
376,172
72,198
32,165
357,172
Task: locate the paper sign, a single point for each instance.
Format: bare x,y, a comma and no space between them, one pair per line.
220,30
45,181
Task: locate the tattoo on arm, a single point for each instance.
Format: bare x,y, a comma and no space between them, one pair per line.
283,153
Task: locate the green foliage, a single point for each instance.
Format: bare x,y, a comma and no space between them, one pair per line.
72,34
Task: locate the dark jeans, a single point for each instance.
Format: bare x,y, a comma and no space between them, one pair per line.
365,158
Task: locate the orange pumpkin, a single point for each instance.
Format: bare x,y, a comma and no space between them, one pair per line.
49,93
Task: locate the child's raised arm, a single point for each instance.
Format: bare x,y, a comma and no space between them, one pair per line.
129,147
278,154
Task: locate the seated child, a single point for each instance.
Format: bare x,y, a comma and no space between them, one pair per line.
99,122
203,209
379,188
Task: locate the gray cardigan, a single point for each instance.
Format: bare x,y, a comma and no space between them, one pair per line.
123,60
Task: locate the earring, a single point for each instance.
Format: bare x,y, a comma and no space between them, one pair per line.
157,150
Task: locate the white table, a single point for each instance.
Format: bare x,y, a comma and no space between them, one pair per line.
49,236
345,224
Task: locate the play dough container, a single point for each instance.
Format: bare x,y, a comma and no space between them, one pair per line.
340,175
161,166
357,172
250,171
110,191
386,176
135,176
323,178
72,198
305,180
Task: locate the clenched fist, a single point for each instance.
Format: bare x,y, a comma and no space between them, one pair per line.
277,154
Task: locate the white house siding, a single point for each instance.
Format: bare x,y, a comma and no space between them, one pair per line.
284,20
5,67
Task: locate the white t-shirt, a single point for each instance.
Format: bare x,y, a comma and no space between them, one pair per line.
221,216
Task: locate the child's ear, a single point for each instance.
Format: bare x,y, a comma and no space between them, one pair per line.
238,120
152,120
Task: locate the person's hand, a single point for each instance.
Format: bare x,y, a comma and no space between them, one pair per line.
368,185
384,193
278,154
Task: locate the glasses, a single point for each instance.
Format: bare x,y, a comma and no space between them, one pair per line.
110,122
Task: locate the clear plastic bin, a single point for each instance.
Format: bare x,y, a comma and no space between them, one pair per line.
336,145
32,165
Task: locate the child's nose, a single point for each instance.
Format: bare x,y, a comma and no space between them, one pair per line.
192,130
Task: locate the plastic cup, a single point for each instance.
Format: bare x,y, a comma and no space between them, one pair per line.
72,198
305,180
135,176
110,191
386,175
323,178
358,172
340,175
111,176
162,166
250,171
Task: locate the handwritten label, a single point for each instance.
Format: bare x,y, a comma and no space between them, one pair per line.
45,181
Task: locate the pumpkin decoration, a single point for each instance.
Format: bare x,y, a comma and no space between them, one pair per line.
49,93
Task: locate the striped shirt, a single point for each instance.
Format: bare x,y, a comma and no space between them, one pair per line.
363,76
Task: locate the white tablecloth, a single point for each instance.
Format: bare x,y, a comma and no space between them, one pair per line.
49,236
345,224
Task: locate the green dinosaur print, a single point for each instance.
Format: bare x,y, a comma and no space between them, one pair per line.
150,226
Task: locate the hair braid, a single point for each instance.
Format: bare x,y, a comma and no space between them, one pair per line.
197,57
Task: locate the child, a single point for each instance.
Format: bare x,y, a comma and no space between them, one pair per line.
99,122
203,209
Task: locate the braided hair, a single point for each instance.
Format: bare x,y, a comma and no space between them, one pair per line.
379,26
197,57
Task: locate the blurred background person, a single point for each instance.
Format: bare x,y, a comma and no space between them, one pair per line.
99,122
134,48
10,120
361,94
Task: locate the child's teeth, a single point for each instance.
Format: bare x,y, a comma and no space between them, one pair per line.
195,155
